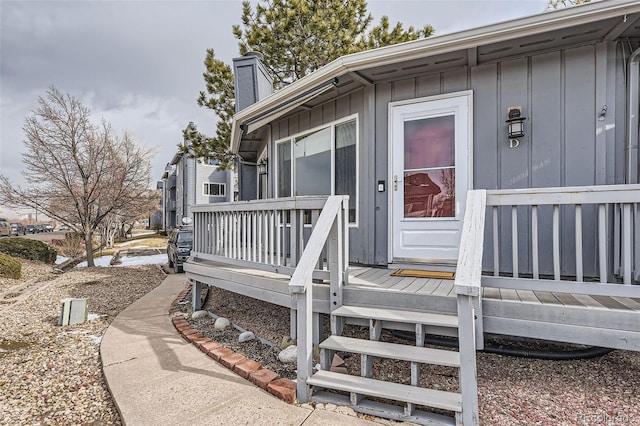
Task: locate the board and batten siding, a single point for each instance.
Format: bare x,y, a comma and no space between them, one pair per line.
206,173
561,94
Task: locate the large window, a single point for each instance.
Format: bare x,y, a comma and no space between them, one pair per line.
214,189
322,161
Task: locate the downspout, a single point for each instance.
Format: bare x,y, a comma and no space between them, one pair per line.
632,117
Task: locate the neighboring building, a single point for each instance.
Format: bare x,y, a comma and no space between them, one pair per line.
188,181
168,202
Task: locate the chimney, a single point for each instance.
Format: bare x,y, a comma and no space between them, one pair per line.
252,81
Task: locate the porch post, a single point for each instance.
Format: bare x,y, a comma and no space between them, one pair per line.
196,300
303,301
467,347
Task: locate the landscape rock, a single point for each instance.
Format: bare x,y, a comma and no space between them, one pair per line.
289,354
246,336
221,323
200,315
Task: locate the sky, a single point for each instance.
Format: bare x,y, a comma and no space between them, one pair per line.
139,63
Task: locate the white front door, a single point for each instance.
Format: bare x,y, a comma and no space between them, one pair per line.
430,173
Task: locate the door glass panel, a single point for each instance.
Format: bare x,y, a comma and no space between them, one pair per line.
429,167
429,142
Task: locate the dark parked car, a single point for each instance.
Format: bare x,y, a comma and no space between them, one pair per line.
18,229
31,229
179,247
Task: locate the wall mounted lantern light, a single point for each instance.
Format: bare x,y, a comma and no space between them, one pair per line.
515,121
262,167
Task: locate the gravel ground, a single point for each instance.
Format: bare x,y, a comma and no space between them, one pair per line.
51,375
512,391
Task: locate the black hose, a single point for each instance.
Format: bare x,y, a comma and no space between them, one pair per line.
586,353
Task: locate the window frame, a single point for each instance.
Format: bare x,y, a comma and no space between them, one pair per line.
219,184
332,125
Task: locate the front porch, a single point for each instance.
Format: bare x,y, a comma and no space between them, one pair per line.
294,253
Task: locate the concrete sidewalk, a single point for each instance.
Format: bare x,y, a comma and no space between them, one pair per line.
156,377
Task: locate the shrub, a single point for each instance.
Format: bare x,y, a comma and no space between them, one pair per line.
25,248
10,267
72,246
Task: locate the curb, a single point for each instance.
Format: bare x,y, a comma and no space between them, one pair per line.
248,369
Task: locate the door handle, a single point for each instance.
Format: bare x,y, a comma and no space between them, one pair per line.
395,182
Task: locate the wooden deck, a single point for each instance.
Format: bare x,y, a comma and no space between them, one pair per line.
590,320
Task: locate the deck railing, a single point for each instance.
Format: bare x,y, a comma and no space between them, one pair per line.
305,237
573,239
265,234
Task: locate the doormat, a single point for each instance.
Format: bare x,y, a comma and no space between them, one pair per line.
416,273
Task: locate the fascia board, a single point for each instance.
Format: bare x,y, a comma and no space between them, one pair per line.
176,158
521,27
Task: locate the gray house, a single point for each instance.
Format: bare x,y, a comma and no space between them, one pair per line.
167,185
194,181
478,183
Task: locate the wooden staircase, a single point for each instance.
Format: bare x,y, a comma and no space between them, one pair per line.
361,389
331,232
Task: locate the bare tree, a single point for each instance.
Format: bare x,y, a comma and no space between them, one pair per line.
78,172
119,223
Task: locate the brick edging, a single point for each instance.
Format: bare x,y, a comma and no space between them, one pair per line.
248,369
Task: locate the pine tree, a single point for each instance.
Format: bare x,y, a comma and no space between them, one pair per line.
295,37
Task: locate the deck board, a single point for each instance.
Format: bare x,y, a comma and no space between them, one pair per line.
628,302
491,293
387,281
567,299
579,318
509,294
527,296
411,285
588,301
546,298
610,303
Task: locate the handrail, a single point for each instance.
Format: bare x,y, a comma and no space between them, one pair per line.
330,228
289,203
564,195
469,269
467,286
303,274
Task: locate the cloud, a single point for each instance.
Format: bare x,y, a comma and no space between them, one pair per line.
139,64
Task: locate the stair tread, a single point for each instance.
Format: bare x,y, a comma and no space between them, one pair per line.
363,385
392,351
384,314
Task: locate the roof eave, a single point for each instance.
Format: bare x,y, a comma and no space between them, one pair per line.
521,27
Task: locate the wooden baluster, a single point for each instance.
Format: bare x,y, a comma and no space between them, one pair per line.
496,243
556,242
602,241
579,269
514,240
534,242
